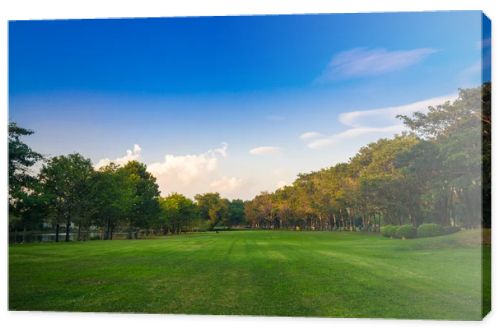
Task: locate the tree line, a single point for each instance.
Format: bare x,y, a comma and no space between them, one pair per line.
438,171
68,191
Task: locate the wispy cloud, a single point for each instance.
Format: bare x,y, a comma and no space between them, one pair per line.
310,135
368,125
265,150
388,115
358,132
361,62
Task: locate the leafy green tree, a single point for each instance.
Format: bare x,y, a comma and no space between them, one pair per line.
145,211
212,208
178,212
283,206
461,131
21,181
236,212
112,198
382,186
66,184
30,213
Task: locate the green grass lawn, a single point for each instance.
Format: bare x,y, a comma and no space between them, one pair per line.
333,274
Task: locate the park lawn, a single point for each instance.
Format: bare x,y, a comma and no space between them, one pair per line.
279,273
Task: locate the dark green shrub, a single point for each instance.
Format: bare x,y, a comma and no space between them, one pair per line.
429,230
450,229
406,232
389,230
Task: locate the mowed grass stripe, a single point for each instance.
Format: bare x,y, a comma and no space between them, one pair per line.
255,273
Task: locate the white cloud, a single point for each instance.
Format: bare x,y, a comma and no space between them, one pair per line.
359,133
226,184
388,115
368,125
187,168
310,135
365,62
134,154
265,150
188,174
192,174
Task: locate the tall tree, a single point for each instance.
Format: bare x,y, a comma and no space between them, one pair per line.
21,159
212,208
113,198
236,213
145,211
66,183
461,132
178,211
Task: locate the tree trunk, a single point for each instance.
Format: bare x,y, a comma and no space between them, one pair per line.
79,232
349,218
24,234
106,234
57,232
341,220
68,223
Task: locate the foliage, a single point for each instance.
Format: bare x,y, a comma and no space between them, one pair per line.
112,198
433,173
178,211
236,213
429,230
450,229
213,208
21,158
65,182
25,203
145,210
389,230
406,231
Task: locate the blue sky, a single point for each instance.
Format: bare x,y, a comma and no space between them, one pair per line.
233,104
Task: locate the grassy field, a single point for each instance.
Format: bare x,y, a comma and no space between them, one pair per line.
255,273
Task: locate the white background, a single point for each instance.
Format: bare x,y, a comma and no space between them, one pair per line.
45,322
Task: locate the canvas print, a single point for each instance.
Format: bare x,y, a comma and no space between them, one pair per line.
333,165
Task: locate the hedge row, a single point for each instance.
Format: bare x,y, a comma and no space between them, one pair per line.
402,231
409,231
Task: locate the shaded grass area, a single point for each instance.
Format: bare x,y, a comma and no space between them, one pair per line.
257,273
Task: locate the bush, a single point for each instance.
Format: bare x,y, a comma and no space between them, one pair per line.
406,232
389,230
429,230
450,229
